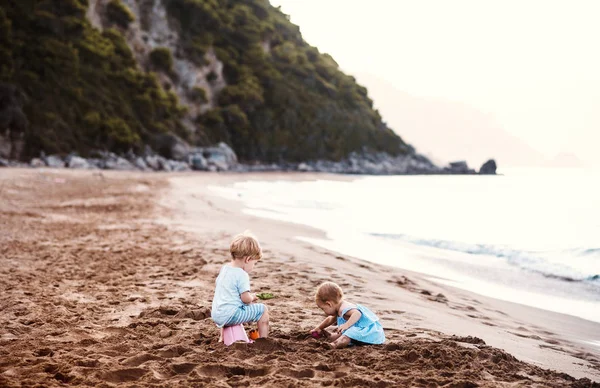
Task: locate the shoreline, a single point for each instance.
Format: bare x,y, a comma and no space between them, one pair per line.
108,279
527,297
534,335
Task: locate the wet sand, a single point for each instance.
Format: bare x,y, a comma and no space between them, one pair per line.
107,278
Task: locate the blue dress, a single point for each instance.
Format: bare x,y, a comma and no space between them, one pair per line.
367,330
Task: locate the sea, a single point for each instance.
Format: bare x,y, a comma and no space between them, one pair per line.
529,236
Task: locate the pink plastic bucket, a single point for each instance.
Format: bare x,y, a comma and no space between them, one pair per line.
233,334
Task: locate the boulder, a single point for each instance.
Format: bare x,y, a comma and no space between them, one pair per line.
118,163
158,163
488,168
179,150
153,162
3,162
95,163
178,166
219,161
140,163
304,167
229,153
37,163
197,161
219,158
171,146
164,164
222,157
54,161
78,162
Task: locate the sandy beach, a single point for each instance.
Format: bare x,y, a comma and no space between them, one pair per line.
107,279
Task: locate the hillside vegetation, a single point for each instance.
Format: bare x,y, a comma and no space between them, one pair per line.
82,89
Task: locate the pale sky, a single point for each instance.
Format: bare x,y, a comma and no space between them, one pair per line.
533,64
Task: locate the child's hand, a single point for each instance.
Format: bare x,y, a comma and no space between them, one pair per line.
341,328
254,298
316,332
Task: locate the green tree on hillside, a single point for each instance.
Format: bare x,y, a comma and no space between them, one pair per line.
84,90
288,103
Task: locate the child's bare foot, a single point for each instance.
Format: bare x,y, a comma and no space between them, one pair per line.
341,342
331,336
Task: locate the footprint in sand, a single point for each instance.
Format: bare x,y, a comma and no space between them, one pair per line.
552,341
184,368
139,359
299,374
173,352
214,370
325,367
483,317
531,336
365,266
87,363
267,345
44,352
123,375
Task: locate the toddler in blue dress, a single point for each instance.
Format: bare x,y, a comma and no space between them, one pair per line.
356,324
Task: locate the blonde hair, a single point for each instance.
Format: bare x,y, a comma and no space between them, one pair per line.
329,292
245,245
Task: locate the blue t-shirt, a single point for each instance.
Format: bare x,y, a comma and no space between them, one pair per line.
230,284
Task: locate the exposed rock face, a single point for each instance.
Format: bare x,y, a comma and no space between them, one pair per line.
152,29
488,168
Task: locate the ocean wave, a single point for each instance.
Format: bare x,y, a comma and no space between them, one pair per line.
591,251
539,262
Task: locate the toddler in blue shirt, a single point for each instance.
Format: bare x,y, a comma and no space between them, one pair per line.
233,303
